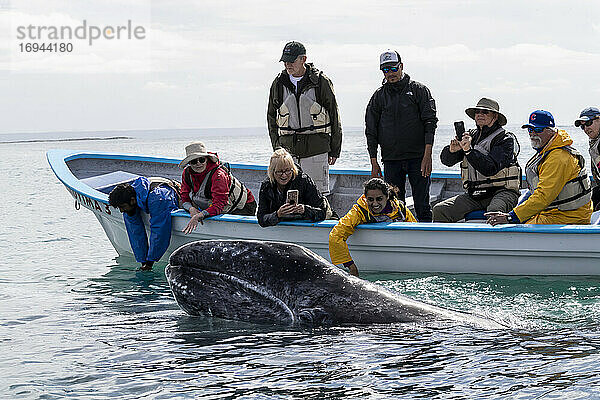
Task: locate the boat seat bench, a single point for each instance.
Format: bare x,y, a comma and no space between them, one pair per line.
477,215
107,182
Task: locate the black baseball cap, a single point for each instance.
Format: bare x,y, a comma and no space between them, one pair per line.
291,51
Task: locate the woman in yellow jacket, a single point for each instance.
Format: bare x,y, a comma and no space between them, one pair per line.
379,203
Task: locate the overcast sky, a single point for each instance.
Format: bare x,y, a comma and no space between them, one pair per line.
210,64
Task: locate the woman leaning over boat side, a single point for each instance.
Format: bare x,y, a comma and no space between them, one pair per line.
379,203
209,189
282,176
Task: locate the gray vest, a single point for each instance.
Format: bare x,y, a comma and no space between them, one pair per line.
576,192
302,114
509,177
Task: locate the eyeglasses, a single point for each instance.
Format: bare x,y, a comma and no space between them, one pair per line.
483,112
282,172
390,69
199,160
532,129
587,123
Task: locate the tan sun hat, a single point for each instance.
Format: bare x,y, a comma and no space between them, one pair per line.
487,105
196,150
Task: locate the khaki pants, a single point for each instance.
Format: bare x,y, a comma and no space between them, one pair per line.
455,208
317,167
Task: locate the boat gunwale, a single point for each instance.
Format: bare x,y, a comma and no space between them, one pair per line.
58,158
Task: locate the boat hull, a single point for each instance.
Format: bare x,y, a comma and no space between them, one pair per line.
383,247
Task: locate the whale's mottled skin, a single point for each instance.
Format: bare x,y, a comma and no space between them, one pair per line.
283,283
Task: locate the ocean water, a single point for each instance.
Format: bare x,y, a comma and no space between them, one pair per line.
77,321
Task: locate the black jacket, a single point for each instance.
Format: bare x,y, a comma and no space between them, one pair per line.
401,118
269,200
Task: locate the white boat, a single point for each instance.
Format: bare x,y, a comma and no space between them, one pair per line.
469,247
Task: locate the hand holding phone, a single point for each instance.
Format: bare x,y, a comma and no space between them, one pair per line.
292,197
459,128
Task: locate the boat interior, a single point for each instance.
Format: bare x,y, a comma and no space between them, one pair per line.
103,174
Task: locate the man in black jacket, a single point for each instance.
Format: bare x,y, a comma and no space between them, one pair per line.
401,119
490,173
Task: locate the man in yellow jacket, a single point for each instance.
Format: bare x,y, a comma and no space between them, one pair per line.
559,185
379,203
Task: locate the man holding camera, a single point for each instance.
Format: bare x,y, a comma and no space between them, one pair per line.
490,172
401,118
589,122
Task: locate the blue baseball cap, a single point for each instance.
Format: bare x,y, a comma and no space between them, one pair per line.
540,119
587,114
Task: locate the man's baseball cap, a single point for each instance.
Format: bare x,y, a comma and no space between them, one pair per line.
540,119
291,51
587,114
389,57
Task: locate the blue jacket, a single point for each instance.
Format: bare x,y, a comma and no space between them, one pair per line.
158,203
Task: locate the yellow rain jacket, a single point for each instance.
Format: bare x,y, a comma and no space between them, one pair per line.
555,171
360,214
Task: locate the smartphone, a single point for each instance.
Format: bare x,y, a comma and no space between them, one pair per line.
292,197
459,128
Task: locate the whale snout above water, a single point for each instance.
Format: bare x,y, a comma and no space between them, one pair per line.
283,283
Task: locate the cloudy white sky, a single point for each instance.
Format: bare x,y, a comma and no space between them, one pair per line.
209,64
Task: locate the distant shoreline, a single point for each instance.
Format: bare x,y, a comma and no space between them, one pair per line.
65,140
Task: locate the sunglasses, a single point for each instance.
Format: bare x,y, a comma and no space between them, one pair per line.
390,69
587,123
532,129
200,160
483,112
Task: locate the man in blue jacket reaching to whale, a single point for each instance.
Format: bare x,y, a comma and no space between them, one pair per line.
156,198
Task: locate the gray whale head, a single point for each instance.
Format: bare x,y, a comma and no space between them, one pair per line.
282,283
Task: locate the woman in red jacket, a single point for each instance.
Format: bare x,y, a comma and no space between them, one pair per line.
209,189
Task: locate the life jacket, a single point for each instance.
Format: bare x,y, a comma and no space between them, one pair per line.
302,113
508,177
396,204
576,193
157,181
595,155
238,194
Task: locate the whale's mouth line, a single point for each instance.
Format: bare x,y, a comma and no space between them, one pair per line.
260,291
257,289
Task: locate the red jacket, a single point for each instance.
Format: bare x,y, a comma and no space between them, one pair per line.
219,188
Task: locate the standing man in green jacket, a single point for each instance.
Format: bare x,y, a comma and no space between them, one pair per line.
303,117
